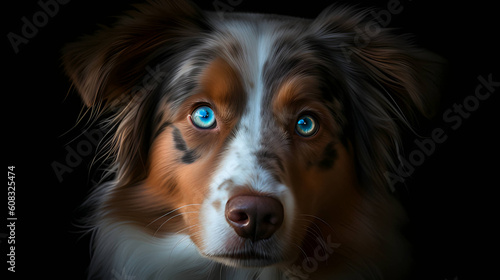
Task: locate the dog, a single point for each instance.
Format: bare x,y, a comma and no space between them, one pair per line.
250,146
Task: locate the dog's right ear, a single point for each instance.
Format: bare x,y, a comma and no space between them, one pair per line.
110,63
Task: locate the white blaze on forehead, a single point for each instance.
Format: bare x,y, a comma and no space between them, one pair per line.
239,166
239,162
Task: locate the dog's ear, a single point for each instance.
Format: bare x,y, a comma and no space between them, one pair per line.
412,76
386,81
109,63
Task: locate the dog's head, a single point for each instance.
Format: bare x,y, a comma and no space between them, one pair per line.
252,132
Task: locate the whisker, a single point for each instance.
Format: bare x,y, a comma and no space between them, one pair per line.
316,231
318,218
300,248
171,211
182,239
186,228
180,214
318,236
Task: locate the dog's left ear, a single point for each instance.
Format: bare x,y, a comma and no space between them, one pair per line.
412,76
106,66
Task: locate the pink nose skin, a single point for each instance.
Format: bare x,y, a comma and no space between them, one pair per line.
254,217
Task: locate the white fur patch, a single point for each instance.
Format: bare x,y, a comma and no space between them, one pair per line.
239,168
123,251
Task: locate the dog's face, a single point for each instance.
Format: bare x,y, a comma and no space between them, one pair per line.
255,133
240,151
248,134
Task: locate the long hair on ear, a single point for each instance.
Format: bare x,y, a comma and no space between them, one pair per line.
107,69
388,83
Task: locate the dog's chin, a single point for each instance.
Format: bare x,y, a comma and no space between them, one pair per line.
249,254
245,259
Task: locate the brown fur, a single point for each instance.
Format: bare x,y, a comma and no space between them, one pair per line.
163,164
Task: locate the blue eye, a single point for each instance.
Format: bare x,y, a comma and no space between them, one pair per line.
203,117
306,126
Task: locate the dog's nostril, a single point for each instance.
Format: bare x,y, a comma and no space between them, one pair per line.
254,217
238,217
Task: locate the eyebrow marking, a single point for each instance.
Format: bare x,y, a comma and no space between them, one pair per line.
189,156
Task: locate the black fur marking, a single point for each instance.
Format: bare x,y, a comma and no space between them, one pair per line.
180,144
268,160
189,156
329,156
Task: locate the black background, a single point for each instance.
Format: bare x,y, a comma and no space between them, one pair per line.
451,198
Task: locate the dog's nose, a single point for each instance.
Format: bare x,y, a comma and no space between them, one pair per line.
254,217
